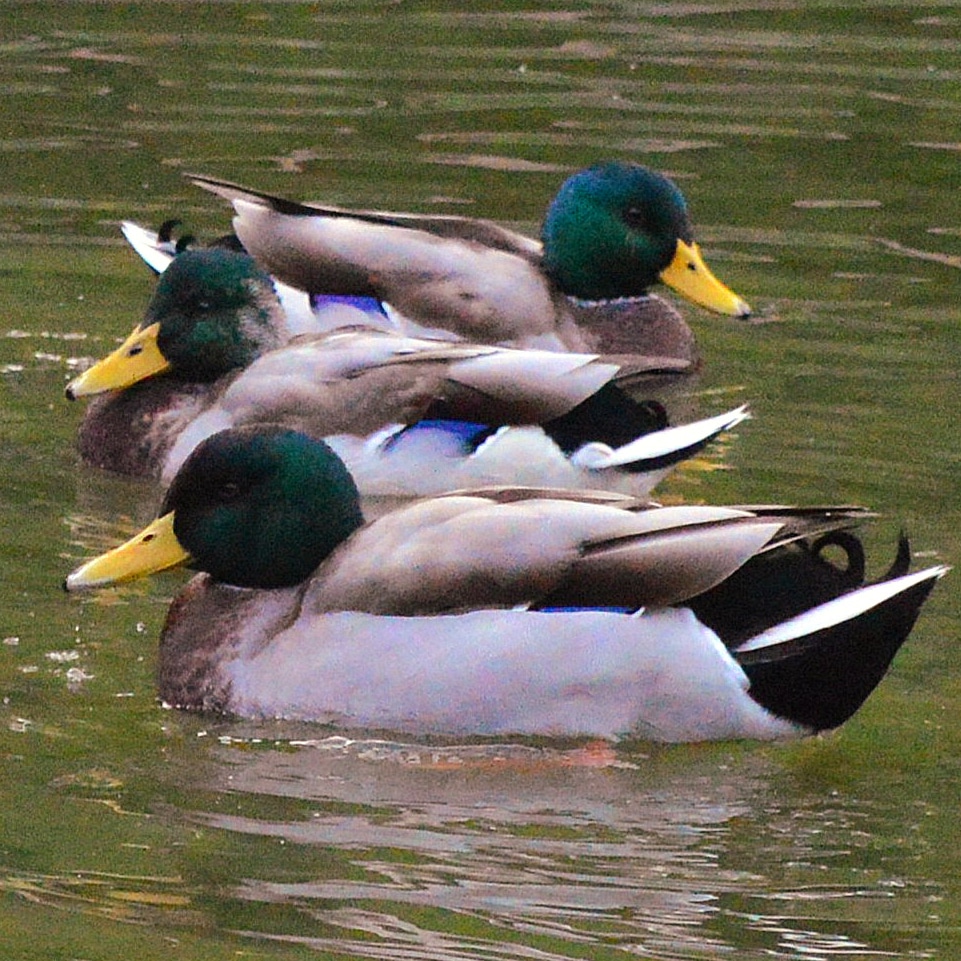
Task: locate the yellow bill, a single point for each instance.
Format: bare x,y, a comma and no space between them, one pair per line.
690,277
136,359
154,549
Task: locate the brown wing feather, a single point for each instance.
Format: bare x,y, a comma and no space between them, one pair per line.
464,552
487,233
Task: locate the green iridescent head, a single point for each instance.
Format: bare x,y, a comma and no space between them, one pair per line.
213,311
611,229
616,229
217,311
260,507
252,506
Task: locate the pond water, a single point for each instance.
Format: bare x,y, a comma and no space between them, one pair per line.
818,144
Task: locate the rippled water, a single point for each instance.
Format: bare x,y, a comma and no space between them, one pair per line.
818,145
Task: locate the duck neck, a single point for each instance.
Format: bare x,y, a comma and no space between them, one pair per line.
210,624
646,325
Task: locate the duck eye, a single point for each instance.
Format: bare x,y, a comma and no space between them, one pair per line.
228,492
635,218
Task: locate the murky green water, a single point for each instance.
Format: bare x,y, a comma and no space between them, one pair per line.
819,146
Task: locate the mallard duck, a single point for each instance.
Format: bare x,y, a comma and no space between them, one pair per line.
507,611
410,415
612,232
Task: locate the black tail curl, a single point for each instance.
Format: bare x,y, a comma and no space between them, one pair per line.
782,583
817,679
165,234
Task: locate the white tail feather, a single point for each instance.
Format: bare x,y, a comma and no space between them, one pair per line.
841,609
662,443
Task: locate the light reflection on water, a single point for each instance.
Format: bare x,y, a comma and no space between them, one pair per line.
526,839
817,149
532,842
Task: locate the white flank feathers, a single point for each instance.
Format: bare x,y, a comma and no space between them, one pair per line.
661,676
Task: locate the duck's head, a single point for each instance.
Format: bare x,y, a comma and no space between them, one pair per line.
252,506
616,229
212,311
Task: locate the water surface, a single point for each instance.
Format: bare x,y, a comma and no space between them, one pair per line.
818,145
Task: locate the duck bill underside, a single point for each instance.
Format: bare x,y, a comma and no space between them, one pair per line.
692,279
136,359
154,549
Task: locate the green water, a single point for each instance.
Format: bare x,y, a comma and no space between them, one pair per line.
818,144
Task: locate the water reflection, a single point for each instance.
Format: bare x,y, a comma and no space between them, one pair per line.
476,846
580,847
